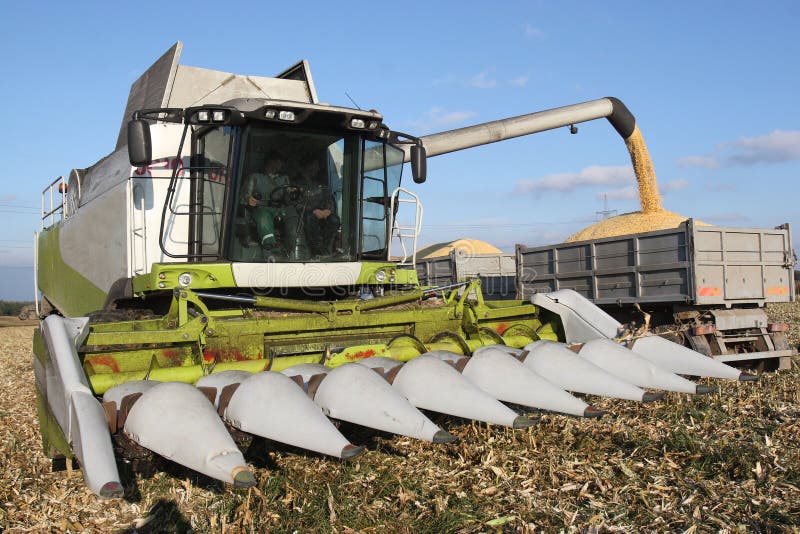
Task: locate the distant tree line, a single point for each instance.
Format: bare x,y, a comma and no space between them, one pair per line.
12,307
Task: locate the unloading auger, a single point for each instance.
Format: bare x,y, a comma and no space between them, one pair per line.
203,287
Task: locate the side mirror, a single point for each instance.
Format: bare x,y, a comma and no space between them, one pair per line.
419,164
140,147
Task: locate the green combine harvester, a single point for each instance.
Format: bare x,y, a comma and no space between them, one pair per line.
238,265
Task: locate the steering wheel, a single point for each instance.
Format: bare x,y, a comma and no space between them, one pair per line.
286,193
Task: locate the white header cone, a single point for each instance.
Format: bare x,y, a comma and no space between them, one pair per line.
354,393
306,370
117,393
502,375
429,383
221,380
176,421
272,405
632,368
557,363
679,359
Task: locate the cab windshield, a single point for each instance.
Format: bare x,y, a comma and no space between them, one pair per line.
311,196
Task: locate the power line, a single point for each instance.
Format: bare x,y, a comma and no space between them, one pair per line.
10,205
501,225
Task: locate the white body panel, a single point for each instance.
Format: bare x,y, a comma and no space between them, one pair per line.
114,231
281,275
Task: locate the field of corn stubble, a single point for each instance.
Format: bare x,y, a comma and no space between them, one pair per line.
728,462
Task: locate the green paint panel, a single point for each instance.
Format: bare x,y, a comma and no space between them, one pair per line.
54,443
278,332
71,293
203,276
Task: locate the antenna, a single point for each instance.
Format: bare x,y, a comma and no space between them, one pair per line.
605,213
351,100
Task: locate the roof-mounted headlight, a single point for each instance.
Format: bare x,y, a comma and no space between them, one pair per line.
285,115
357,123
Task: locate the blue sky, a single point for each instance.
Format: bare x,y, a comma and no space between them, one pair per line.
713,86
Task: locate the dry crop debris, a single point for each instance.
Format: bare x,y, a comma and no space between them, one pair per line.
728,462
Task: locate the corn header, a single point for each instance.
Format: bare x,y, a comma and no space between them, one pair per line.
236,267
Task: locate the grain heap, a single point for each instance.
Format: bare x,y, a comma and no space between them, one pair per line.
653,216
465,246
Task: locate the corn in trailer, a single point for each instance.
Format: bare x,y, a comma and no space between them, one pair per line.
178,309
496,272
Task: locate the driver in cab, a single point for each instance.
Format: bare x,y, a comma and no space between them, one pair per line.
266,197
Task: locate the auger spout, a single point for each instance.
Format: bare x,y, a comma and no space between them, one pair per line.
271,405
491,132
178,422
354,393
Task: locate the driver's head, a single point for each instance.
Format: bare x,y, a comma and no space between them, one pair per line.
310,169
274,163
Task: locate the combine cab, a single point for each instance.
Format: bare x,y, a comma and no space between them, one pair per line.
226,272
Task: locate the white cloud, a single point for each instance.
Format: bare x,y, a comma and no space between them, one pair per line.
532,31
623,193
725,218
445,80
482,81
565,182
775,147
437,117
721,186
706,162
520,81
673,185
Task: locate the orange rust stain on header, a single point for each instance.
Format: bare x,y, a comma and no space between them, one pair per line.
360,355
102,360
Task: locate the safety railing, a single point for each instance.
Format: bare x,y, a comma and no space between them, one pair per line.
405,232
55,192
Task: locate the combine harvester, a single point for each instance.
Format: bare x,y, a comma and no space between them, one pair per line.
226,271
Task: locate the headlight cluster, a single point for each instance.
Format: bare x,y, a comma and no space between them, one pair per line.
280,114
364,124
210,116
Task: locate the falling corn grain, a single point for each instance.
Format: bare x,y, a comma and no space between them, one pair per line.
649,197
652,216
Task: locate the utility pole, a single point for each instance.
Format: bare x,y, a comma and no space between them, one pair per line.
605,213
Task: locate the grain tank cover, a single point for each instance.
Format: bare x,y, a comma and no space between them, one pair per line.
168,84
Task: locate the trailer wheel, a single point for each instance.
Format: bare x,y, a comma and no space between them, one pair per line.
699,344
